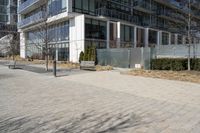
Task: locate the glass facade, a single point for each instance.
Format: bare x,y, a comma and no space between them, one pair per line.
56,6
152,38
100,44
180,39
172,39
8,17
58,39
126,36
113,35
59,32
85,6
165,38
95,29
140,37
95,33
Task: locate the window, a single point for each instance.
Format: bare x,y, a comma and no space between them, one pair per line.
95,29
172,39
59,32
127,33
4,18
180,39
127,36
165,38
140,37
152,38
56,6
84,6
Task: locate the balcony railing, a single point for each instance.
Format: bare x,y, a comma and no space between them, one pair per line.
174,4
172,16
116,14
26,4
36,18
144,6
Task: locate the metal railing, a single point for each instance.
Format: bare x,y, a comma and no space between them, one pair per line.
145,5
38,17
116,14
26,4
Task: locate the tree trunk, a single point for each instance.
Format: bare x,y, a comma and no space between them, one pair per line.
47,62
189,58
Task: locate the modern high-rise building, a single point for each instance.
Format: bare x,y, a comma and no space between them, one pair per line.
74,25
8,17
8,26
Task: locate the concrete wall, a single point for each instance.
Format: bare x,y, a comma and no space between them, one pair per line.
77,35
22,45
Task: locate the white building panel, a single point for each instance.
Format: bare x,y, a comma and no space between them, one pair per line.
77,34
22,46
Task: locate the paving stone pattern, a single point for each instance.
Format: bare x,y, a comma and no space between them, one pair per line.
97,102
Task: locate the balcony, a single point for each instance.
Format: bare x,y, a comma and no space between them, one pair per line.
143,6
177,18
196,4
174,5
114,14
34,19
30,5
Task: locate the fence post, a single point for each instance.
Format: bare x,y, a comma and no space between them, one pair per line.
129,58
54,68
142,57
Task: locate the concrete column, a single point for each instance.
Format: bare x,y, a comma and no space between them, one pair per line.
135,37
76,37
159,38
169,40
22,45
146,37
108,35
118,35
56,53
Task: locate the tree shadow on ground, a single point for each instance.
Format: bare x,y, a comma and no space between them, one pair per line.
86,122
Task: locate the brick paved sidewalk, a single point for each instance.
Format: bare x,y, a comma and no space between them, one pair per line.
99,102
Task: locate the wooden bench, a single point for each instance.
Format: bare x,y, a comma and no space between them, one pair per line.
14,64
88,65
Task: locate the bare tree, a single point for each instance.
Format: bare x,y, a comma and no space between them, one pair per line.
10,45
42,41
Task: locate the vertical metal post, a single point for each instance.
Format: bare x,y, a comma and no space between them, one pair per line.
129,58
189,19
54,68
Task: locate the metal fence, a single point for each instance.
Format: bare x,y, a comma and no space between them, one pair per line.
125,57
177,51
141,57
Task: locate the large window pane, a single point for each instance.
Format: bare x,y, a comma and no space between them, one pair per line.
140,37
85,5
95,29
152,38
165,38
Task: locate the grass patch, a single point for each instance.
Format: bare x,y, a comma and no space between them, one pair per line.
104,68
189,76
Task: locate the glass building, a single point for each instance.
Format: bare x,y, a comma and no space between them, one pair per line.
8,17
73,25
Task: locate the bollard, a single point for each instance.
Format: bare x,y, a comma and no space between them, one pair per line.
54,68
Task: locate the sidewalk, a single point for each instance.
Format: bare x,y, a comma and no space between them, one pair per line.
97,102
